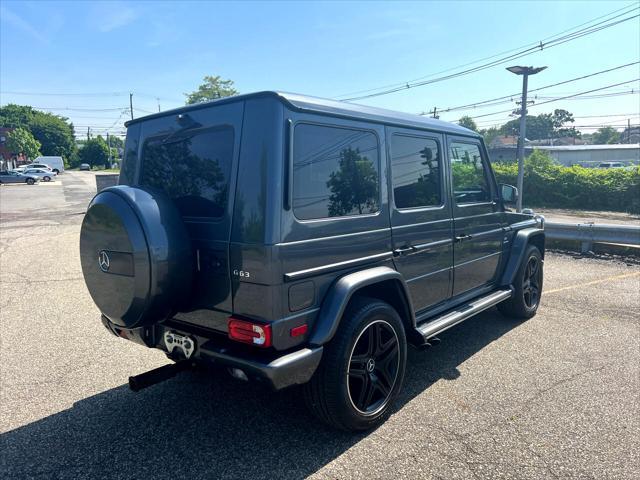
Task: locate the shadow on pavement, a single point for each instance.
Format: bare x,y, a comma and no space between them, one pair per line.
199,425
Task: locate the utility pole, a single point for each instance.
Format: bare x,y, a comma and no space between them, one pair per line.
88,133
158,104
525,72
435,112
628,130
131,105
109,145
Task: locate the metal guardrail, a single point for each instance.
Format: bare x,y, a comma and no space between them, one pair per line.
589,233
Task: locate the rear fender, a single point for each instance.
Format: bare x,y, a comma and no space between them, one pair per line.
521,241
365,282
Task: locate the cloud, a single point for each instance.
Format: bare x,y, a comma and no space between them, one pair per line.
20,23
112,16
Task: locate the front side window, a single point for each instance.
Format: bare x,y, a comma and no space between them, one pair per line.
193,168
335,172
469,174
415,164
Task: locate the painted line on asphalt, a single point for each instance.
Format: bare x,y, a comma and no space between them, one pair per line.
594,282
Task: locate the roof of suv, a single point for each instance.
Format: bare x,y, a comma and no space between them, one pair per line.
331,107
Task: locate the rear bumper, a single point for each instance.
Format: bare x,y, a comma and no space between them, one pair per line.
275,369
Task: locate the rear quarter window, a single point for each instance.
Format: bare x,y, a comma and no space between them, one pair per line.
193,168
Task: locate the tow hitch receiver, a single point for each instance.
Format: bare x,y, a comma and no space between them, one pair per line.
157,375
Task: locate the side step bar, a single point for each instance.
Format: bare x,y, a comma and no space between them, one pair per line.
462,313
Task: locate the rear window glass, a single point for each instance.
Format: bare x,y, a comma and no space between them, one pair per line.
193,168
335,172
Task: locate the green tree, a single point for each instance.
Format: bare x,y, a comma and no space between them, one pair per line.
606,135
95,152
467,122
544,126
490,134
354,187
55,133
213,88
21,141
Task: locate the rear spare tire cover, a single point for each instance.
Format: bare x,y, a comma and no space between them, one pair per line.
136,255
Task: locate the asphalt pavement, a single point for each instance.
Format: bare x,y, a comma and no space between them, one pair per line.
554,397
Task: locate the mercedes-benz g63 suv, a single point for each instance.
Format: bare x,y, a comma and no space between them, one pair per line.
295,240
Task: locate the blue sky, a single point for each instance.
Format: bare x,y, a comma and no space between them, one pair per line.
163,49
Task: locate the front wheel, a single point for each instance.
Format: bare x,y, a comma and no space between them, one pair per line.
30,181
362,368
527,287
47,179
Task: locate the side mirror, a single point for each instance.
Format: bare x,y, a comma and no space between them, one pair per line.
509,193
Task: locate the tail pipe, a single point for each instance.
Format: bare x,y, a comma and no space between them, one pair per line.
157,375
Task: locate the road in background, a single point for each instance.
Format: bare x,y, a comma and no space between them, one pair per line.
554,397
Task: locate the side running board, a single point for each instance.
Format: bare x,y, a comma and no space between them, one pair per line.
453,317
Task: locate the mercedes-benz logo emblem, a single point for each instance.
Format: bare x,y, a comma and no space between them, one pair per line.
371,365
104,261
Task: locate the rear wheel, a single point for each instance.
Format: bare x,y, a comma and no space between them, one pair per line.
30,181
362,368
527,287
47,179
56,171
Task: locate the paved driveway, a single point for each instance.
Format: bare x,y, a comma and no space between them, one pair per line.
555,397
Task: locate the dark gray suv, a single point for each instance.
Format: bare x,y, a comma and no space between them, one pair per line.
297,240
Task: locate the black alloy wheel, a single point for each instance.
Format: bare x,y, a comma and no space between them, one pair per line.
373,367
30,181
527,286
362,367
531,282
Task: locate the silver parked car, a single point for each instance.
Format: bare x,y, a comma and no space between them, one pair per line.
45,175
17,177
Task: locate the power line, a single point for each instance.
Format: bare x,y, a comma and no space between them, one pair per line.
563,98
536,43
542,45
483,102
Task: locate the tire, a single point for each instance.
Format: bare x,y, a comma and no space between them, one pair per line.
527,287
57,172
47,179
30,181
358,381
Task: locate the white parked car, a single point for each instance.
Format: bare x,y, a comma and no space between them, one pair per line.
43,174
611,165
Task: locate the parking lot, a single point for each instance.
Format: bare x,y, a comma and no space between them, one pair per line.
555,397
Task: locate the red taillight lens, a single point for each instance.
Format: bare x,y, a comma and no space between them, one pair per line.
248,332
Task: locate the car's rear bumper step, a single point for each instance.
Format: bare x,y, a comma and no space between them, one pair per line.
439,324
291,369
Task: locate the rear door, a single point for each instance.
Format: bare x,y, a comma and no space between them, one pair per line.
477,215
193,157
421,223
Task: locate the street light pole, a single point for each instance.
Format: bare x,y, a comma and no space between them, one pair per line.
525,72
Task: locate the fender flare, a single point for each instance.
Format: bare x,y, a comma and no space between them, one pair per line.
337,299
521,240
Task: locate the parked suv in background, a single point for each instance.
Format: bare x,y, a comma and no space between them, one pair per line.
297,240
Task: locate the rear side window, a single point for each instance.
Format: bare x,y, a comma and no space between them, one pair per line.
415,164
335,172
469,174
193,168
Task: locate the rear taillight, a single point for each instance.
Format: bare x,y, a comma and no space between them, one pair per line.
257,334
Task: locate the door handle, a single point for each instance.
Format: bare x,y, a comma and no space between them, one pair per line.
461,238
403,251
